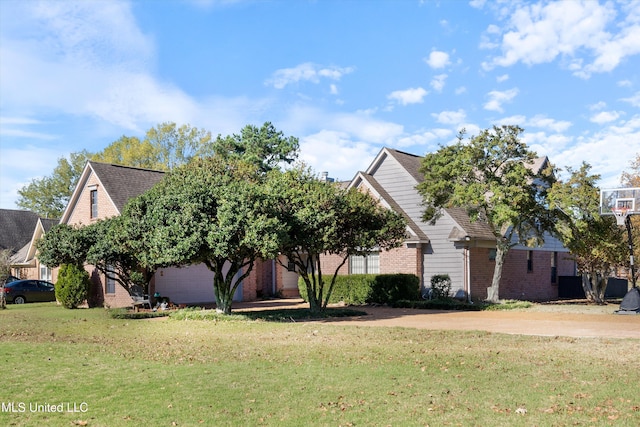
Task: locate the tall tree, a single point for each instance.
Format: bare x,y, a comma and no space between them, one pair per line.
322,218
264,147
48,196
131,151
493,178
176,145
209,211
64,244
595,242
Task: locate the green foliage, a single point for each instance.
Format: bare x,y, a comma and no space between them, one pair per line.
507,305
211,210
388,288
72,286
440,286
263,147
438,304
126,313
64,244
49,196
596,242
492,177
325,219
357,289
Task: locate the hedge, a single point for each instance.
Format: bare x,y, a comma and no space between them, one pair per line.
355,289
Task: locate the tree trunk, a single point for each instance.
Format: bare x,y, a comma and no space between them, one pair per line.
493,291
594,286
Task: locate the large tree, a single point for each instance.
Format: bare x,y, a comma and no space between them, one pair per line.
65,244
596,243
48,196
212,211
323,218
492,176
264,146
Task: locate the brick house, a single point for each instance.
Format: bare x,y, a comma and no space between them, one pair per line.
455,245
102,192
19,231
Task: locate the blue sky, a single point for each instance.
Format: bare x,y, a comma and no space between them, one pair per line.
346,77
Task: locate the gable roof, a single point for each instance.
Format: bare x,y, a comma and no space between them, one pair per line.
465,228
26,255
123,182
120,183
16,228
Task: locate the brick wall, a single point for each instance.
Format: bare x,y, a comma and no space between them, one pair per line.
82,211
517,281
401,260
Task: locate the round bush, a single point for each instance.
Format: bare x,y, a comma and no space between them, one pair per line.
72,286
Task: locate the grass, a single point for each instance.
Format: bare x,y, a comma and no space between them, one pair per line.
248,371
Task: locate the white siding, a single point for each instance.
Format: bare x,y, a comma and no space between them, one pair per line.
440,256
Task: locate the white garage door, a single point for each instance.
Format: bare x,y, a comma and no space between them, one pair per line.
188,285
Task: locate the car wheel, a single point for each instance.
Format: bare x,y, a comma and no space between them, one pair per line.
19,300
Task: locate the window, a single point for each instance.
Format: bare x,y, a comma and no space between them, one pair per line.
369,264
529,261
554,267
111,283
45,273
94,203
492,254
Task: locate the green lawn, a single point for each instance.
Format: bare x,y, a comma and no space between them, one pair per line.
166,372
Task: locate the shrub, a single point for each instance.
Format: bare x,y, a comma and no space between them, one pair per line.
440,286
351,289
438,304
72,286
357,289
388,288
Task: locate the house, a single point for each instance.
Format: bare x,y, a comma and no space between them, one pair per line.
19,230
102,192
455,245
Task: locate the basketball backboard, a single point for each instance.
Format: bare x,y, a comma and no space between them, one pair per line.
617,199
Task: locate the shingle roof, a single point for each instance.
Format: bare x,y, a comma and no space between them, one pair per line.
410,162
16,228
123,182
473,229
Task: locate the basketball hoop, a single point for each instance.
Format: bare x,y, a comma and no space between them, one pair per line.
621,215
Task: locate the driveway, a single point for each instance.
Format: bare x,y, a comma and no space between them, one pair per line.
543,319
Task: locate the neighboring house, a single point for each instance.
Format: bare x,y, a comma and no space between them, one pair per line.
19,230
455,245
25,262
102,192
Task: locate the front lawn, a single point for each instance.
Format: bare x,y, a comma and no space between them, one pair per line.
166,372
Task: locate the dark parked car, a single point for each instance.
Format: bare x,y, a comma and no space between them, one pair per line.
21,291
10,279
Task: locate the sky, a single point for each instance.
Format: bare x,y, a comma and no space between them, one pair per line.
345,77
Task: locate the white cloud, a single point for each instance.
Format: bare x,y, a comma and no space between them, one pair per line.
633,99
437,59
348,156
586,34
427,138
408,96
450,117
605,117
540,121
624,83
437,83
502,78
306,72
460,90
497,98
